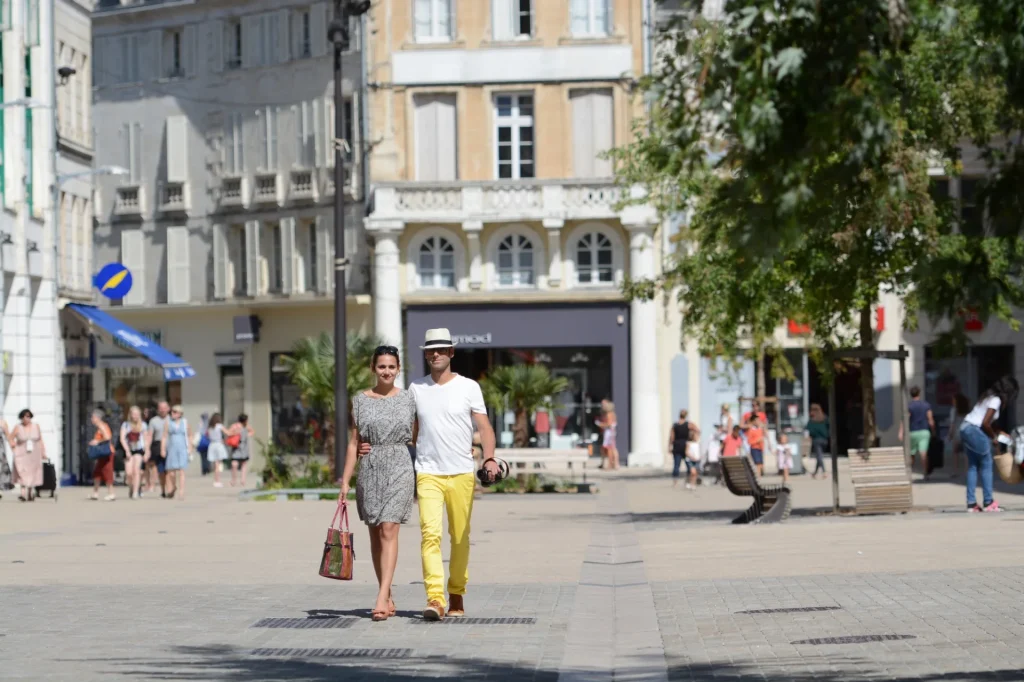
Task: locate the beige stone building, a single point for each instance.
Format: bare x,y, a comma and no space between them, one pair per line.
494,212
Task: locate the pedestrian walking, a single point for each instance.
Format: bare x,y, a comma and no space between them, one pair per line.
243,435
786,452
103,469
980,439
733,443
754,430
818,430
201,443
136,450
157,430
692,458
608,424
384,417
217,452
176,446
448,407
678,440
922,423
29,452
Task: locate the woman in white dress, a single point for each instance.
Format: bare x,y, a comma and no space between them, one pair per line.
217,452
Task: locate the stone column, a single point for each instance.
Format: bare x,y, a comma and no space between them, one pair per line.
472,229
554,227
646,441
387,308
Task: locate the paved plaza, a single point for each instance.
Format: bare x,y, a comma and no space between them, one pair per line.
636,582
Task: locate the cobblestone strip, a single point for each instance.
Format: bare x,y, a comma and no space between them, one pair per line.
614,632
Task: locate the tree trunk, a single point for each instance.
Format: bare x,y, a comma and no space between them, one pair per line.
762,377
867,377
520,430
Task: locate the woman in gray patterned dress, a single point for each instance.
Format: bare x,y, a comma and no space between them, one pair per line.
384,417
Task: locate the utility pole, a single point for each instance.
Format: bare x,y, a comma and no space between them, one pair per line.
338,35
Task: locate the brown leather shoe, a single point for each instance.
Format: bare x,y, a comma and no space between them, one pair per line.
434,611
455,606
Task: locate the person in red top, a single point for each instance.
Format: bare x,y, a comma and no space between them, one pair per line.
755,439
755,409
732,443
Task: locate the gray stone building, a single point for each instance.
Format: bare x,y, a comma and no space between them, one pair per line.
222,113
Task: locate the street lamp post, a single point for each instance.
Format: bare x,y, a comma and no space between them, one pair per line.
338,35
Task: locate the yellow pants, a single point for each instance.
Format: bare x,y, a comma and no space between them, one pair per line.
437,494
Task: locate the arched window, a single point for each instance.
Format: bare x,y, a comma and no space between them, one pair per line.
436,264
516,262
594,259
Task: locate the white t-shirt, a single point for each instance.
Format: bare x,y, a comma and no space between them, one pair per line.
444,446
977,415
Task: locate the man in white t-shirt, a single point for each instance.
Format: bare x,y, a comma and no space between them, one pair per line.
448,407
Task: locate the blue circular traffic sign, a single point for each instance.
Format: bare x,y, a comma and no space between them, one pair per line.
113,280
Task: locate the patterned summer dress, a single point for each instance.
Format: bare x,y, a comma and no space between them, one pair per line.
386,480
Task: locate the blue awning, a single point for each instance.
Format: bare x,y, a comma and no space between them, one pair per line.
173,366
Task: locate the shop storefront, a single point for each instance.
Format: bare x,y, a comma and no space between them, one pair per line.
588,344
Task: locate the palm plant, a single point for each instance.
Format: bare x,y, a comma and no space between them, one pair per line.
523,389
311,368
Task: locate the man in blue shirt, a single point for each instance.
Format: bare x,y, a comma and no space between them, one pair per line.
922,423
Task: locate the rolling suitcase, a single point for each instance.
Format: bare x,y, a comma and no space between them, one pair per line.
49,480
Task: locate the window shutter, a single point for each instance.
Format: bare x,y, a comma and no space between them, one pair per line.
288,255
329,146
603,130
189,49
295,33
426,138
238,140
325,257
272,116
251,44
151,53
252,257
313,120
501,14
443,20
177,149
281,36
126,148
220,262
318,28
603,16
99,61
261,140
133,257
215,46
583,134
177,265
447,140
579,21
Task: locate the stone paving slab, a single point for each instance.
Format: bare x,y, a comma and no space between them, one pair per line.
637,582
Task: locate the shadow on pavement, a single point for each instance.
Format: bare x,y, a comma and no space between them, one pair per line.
230,664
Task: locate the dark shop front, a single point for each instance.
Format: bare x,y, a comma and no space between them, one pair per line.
588,344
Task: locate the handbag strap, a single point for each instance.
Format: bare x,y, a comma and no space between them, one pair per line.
342,511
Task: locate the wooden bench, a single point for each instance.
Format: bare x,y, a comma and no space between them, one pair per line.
772,503
881,480
546,461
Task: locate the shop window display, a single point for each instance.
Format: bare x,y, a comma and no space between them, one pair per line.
571,422
297,427
142,386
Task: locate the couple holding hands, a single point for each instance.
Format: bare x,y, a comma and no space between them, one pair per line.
437,414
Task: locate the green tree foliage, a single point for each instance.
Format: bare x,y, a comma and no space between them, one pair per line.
523,389
799,134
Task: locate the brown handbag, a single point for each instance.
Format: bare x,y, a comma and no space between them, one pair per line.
339,553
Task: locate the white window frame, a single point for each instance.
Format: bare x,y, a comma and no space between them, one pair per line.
438,33
234,50
538,270
413,260
517,122
572,276
593,29
234,145
437,247
514,11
